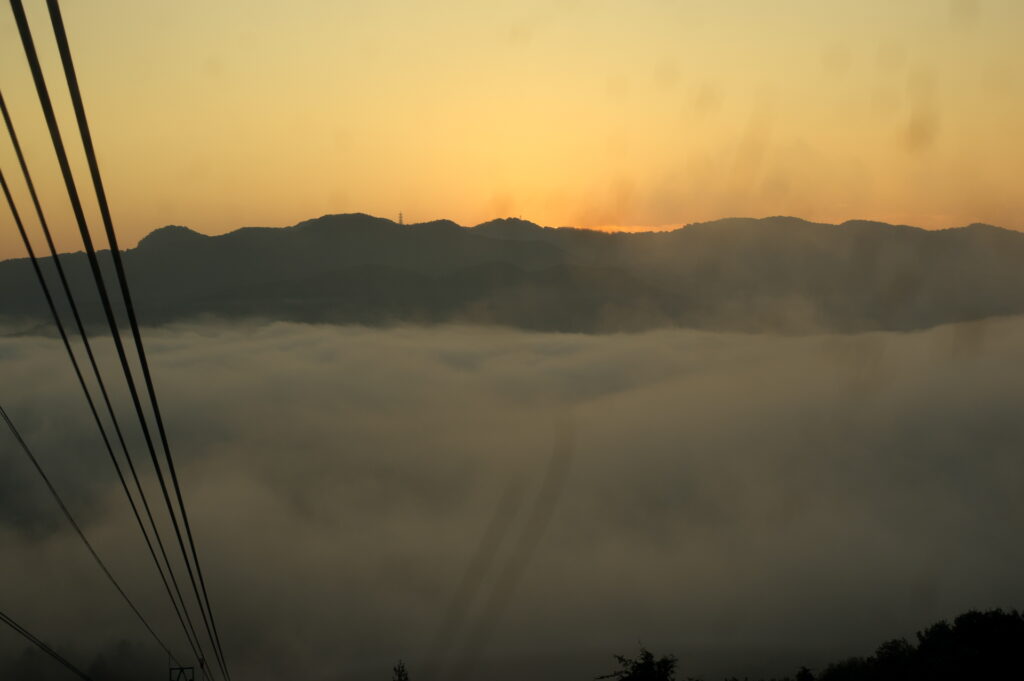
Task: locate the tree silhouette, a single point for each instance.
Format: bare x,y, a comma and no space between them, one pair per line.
977,645
644,668
400,673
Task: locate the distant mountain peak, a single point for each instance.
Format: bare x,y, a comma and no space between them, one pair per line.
437,224
877,225
332,220
508,228
774,221
984,227
170,235
509,222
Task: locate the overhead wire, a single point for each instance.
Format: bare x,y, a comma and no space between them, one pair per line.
56,19
6,619
78,529
58,144
186,621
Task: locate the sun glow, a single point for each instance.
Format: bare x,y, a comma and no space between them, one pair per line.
595,114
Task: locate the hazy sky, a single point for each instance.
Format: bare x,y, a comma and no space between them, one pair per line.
596,113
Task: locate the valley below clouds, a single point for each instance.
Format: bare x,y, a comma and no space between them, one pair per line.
527,504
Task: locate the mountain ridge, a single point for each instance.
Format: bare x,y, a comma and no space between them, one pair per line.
499,227
781,274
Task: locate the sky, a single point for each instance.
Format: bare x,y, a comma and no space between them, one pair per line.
598,113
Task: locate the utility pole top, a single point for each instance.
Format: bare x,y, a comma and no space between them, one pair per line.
182,674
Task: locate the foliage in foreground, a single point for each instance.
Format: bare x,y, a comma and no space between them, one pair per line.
644,668
978,645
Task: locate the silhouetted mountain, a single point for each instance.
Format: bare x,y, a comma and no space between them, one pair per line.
782,274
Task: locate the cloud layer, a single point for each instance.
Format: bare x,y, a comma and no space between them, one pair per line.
749,502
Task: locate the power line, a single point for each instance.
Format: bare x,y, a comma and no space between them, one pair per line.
58,144
189,628
78,530
42,646
83,126
78,373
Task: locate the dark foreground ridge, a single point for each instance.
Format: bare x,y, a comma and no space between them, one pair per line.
778,274
977,646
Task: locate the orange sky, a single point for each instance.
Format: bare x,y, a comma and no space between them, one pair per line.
567,112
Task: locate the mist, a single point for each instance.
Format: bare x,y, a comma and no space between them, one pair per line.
478,500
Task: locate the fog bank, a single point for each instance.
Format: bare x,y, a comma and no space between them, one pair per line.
748,502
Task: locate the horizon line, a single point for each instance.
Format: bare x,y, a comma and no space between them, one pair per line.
603,229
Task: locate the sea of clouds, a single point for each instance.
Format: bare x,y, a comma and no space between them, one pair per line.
502,504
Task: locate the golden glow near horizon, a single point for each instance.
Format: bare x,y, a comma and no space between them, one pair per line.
591,113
